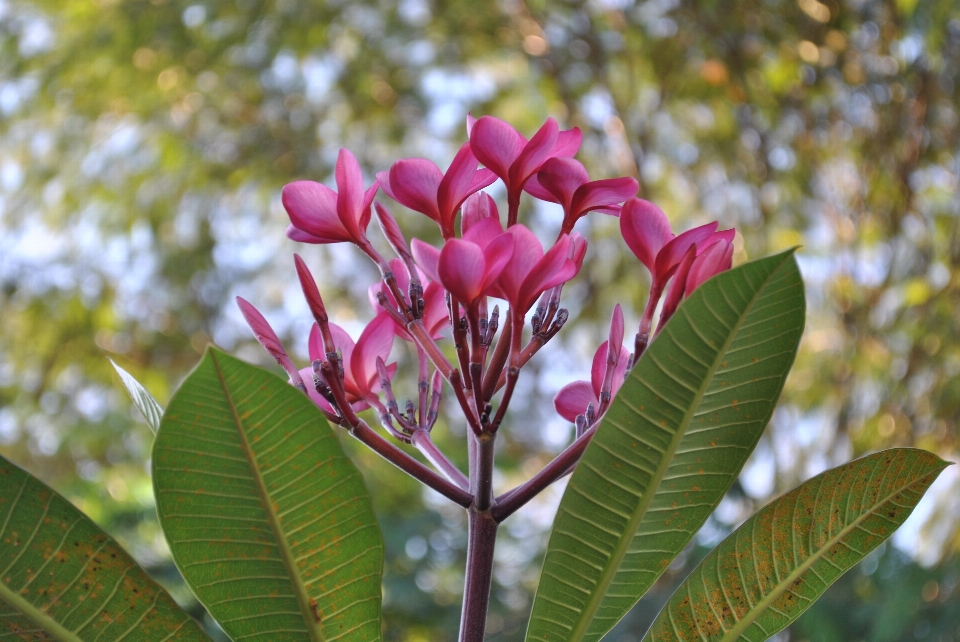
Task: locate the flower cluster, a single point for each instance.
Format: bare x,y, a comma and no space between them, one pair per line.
427,290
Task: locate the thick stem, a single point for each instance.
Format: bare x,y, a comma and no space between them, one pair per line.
485,450
482,536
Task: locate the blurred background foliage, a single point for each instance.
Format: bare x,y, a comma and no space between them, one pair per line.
144,144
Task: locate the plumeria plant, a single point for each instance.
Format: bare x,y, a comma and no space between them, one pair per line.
271,525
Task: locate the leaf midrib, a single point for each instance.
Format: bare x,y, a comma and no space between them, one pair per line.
39,617
599,592
755,612
303,598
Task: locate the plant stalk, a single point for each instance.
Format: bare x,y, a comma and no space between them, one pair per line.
482,536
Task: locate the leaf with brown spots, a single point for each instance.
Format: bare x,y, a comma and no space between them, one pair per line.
776,565
681,428
268,520
62,578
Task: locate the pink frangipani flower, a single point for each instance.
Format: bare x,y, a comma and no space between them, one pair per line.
320,215
360,378
420,185
469,271
565,181
716,258
531,271
647,233
512,157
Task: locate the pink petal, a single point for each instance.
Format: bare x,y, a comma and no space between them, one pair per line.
715,259
646,230
496,144
671,253
383,179
471,121
307,375
602,193
312,208
458,183
462,268
578,248
533,155
496,255
478,207
598,367
483,232
573,399
527,251
367,201
415,182
376,340
315,345
553,269
536,190
350,193
677,286
561,177
426,257
298,235
568,143
435,318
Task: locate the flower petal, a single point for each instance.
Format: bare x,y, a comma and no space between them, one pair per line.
536,190
496,255
414,182
672,253
350,193
533,155
568,143
478,207
376,340
426,257
677,286
462,267
573,399
715,259
312,208
561,177
645,229
458,183
616,326
602,193
495,144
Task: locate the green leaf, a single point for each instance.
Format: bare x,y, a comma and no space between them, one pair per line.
62,578
776,565
269,522
669,447
152,411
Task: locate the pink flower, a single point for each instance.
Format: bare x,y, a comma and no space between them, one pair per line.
647,232
360,378
565,181
320,215
420,185
469,271
515,159
435,306
531,271
573,398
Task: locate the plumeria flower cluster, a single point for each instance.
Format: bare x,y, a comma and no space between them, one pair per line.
438,299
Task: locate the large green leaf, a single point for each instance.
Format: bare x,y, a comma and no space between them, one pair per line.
151,410
62,578
670,446
772,568
269,522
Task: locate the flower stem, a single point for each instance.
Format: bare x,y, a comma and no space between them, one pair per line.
482,536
